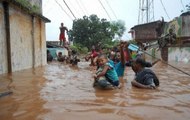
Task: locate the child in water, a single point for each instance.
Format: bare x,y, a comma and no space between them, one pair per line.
108,71
101,81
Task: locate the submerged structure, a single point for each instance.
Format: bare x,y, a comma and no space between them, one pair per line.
23,42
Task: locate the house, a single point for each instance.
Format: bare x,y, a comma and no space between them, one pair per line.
22,31
148,34
157,31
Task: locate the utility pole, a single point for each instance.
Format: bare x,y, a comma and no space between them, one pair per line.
146,11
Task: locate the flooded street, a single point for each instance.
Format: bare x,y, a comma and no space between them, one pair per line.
61,92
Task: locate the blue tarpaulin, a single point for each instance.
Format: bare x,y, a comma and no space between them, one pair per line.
133,47
54,51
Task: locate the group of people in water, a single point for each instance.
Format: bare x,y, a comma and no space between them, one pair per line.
110,68
71,58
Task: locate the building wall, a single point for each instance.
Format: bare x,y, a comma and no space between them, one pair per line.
146,32
21,39
3,48
27,39
180,26
178,54
39,43
186,26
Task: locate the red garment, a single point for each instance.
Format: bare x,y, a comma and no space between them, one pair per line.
126,55
62,37
94,54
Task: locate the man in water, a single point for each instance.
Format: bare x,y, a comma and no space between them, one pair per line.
144,77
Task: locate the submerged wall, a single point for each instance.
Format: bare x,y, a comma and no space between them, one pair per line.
27,40
178,54
3,48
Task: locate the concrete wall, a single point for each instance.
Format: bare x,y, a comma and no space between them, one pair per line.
21,39
186,26
3,48
178,54
27,40
39,43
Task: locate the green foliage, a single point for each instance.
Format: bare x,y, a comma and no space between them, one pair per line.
187,8
32,8
132,41
79,48
91,30
35,9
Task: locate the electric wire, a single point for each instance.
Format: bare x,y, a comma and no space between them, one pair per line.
84,7
164,9
139,11
182,4
111,9
69,9
163,61
81,7
105,9
70,3
64,10
151,5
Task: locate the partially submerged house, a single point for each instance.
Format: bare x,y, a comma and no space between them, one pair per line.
22,31
155,31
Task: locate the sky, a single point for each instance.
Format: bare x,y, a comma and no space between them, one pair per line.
112,10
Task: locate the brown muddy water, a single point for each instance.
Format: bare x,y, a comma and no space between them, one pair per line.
62,92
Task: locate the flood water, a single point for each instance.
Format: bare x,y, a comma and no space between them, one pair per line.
62,92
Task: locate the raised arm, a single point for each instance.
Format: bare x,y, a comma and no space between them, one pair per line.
103,73
122,53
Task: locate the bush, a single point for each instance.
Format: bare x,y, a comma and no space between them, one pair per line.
79,48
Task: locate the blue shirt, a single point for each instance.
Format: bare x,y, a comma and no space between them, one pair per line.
111,73
118,67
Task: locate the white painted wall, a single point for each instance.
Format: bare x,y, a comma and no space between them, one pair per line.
178,54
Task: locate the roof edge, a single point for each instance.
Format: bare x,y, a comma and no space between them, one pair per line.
27,10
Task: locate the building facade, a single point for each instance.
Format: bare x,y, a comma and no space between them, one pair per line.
22,41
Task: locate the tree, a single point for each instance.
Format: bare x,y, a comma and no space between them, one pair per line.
91,30
187,8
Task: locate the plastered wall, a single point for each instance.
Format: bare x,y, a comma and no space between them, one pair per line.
178,54
27,40
3,48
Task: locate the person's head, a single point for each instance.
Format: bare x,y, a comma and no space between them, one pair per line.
102,60
74,52
62,24
93,47
170,31
138,64
48,52
60,54
117,57
112,55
